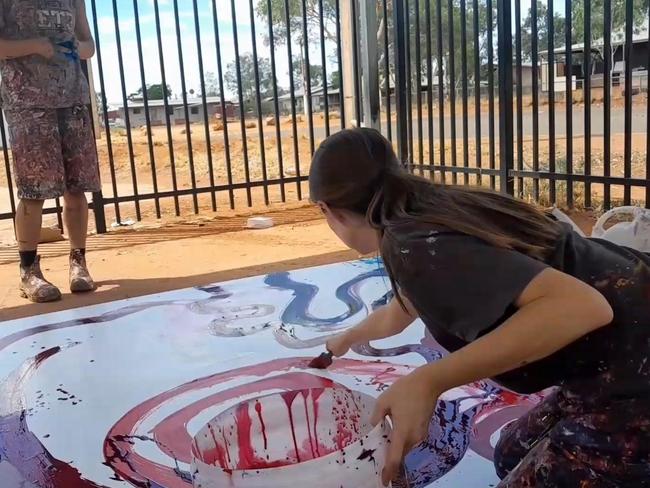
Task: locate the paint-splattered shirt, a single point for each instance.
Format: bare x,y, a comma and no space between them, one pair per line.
463,288
33,81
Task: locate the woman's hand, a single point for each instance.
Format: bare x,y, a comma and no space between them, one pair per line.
410,403
340,344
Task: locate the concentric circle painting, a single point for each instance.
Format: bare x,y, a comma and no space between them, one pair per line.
210,387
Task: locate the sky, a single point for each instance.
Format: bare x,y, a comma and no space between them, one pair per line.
106,37
125,9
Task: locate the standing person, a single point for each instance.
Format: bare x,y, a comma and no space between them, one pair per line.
514,296
45,96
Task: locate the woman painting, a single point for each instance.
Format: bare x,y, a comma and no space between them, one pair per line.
515,296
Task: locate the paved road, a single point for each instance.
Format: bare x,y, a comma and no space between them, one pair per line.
639,122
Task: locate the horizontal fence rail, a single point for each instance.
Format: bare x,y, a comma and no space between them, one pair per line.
211,105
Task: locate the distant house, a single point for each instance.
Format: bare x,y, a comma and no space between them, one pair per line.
176,110
639,61
317,100
526,76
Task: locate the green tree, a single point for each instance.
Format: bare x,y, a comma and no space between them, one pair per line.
211,85
597,24
640,11
453,28
247,65
542,31
315,73
154,92
297,32
295,19
335,79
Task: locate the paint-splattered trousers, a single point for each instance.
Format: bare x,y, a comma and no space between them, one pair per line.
54,152
569,441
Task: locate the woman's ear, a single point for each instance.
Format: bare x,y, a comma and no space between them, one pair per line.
333,213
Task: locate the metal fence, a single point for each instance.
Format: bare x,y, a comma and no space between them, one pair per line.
208,105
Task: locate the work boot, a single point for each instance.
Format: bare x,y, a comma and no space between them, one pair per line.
80,280
35,287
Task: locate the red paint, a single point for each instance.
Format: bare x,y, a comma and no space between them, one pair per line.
171,434
315,395
258,409
305,394
289,397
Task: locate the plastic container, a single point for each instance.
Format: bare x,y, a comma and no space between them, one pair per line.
260,223
634,234
317,438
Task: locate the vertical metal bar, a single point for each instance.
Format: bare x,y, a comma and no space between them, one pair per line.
204,101
647,160
441,92
321,20
389,122
465,95
59,211
258,106
355,61
629,32
551,99
427,12
125,104
147,115
607,122
186,109
491,124
568,42
477,91
242,108
418,87
506,141
535,49
339,57
107,128
409,77
452,87
307,76
587,102
401,45
276,103
5,153
370,62
292,87
97,203
168,125
222,101
520,98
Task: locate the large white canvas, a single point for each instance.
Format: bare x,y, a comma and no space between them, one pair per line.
109,395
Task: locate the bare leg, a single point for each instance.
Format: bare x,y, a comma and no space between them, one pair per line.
29,218
75,217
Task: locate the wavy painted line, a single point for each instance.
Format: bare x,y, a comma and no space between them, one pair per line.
297,312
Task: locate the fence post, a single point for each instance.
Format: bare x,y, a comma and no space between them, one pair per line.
401,101
347,62
506,124
369,64
98,197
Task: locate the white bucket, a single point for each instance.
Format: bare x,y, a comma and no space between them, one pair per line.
319,438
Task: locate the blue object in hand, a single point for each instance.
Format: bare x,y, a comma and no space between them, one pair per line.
72,55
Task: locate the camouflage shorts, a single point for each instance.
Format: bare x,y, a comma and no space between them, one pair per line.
566,442
54,152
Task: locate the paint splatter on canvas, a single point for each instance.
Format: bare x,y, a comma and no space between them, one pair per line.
112,395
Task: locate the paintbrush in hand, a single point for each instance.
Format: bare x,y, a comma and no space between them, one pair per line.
323,361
